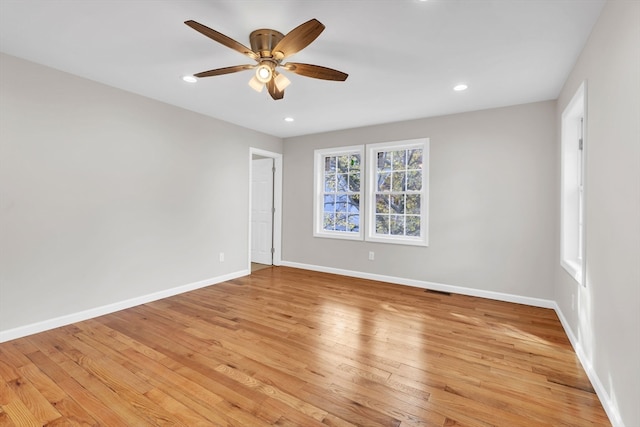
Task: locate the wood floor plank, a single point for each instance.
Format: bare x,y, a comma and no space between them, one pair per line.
90,391
289,347
272,392
80,404
41,408
5,421
17,410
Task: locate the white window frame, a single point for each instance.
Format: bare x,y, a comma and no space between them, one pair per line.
572,186
371,169
318,200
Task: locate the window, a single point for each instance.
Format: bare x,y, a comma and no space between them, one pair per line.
338,178
397,192
572,185
396,196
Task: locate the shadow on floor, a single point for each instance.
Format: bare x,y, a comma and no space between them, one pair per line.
255,266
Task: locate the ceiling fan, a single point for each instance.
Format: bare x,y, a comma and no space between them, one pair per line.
269,48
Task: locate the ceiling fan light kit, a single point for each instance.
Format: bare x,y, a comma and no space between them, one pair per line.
281,81
269,48
264,73
256,84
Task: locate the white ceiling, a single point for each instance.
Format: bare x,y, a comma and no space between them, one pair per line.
403,56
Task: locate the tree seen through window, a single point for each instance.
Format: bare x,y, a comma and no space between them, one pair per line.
342,177
398,192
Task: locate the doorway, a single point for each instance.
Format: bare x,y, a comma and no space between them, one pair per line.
265,203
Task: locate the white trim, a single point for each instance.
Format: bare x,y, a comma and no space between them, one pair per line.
571,235
370,202
277,215
601,391
45,325
277,204
318,196
573,268
536,302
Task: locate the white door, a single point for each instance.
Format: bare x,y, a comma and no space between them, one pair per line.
262,211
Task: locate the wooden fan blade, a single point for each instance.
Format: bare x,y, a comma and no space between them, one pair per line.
315,71
273,90
297,39
222,39
225,70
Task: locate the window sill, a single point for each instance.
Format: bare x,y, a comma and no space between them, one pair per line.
339,235
574,268
398,240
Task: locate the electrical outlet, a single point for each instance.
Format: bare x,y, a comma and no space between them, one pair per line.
221,257
372,255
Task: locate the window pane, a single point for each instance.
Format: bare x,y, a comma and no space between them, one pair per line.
329,164
382,224
330,183
355,163
412,205
329,203
398,181
354,204
397,203
382,203
343,164
354,223
397,225
384,181
343,182
329,221
399,160
414,180
354,182
414,159
341,222
341,207
413,226
384,161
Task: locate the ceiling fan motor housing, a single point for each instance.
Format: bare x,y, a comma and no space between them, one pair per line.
264,40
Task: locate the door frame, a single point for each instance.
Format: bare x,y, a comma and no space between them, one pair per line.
277,203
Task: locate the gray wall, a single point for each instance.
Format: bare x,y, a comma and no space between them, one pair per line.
605,315
107,196
493,205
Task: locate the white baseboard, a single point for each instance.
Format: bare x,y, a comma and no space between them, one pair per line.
536,302
34,328
601,391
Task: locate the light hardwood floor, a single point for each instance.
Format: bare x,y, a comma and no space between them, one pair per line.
290,347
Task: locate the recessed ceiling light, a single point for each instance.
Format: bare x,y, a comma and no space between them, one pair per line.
460,87
189,79
289,119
